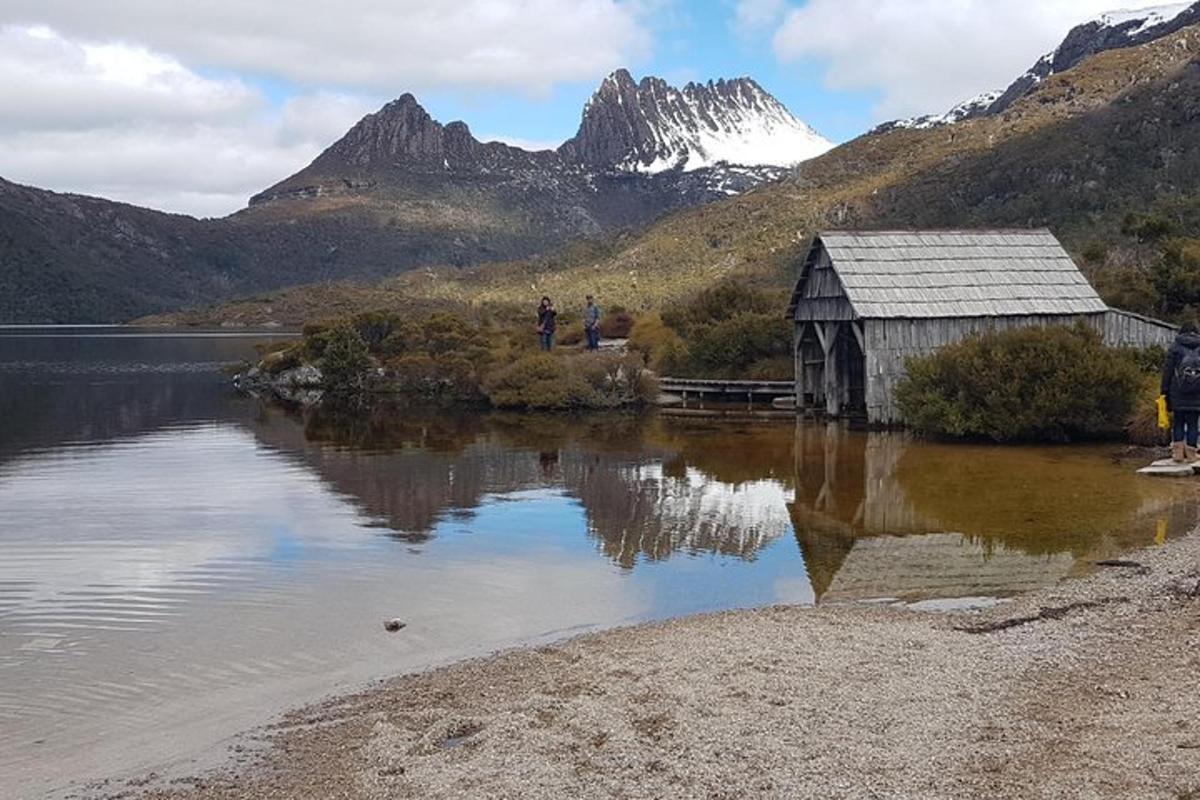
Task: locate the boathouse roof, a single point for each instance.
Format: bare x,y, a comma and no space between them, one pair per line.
952,273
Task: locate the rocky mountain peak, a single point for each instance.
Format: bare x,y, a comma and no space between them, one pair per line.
650,126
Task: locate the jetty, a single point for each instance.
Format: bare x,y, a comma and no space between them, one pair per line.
676,391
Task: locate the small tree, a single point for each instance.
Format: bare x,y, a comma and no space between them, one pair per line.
346,363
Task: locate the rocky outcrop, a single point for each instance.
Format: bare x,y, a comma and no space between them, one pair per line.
302,385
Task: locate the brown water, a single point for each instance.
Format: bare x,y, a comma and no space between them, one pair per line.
177,563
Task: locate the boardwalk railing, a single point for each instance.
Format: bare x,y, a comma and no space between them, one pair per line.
729,391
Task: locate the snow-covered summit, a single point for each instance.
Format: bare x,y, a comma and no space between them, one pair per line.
652,127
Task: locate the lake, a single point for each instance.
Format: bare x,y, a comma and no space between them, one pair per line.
179,563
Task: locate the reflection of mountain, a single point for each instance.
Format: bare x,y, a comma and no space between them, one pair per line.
880,515
640,511
635,509
408,489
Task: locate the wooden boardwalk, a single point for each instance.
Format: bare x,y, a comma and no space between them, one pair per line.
725,391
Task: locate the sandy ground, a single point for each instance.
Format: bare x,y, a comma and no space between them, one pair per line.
1098,695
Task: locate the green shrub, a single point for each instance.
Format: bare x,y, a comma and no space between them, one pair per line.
731,346
540,381
720,302
659,345
374,327
346,363
1051,384
586,380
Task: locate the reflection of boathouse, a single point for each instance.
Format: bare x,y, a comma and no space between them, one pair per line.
877,515
867,301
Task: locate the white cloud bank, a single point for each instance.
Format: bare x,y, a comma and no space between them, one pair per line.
379,45
138,100
924,56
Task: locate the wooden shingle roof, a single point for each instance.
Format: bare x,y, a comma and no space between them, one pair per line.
922,274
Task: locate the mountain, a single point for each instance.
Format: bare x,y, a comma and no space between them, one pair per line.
401,190
652,127
1112,31
1117,133
642,149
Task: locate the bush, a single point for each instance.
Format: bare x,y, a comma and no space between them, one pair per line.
1142,427
616,324
281,359
1050,384
588,380
541,381
733,345
346,364
660,346
727,299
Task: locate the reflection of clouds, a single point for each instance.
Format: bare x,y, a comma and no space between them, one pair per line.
198,620
184,508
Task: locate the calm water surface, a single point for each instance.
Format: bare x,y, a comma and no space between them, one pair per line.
178,563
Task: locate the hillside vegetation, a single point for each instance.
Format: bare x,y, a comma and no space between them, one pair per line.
1089,148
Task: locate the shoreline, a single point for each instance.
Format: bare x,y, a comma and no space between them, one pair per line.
1090,688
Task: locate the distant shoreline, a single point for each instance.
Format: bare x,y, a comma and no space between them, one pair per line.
1088,688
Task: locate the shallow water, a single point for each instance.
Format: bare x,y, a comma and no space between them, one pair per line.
178,563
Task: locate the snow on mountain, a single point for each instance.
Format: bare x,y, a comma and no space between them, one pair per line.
1109,31
1145,18
964,110
651,127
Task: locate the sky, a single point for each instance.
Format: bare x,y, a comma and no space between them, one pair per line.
191,106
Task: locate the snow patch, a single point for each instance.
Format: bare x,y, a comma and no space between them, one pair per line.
1147,17
697,127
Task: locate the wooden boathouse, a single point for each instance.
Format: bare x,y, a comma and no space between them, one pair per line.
866,301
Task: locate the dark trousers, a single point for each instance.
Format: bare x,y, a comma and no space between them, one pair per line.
593,338
1183,427
547,340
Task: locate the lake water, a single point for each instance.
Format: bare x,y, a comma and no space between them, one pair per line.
178,563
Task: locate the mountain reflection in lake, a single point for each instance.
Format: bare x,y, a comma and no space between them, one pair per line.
179,563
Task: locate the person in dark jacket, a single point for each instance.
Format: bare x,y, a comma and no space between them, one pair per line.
1181,387
547,324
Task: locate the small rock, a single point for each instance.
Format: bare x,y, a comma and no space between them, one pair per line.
393,625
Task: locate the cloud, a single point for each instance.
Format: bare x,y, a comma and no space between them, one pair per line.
126,123
369,45
753,16
924,56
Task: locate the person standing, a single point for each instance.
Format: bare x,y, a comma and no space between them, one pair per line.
1181,387
547,324
591,323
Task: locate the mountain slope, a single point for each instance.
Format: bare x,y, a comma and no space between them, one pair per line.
1111,31
1116,133
399,190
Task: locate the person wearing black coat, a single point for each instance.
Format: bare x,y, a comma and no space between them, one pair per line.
1181,387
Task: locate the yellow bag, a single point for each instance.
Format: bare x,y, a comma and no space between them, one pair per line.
1164,419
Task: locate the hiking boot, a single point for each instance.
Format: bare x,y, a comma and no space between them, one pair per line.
1190,455
1178,453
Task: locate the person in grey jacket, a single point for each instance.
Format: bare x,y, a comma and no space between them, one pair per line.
591,323
1181,387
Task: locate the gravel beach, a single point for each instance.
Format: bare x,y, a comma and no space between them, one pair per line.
1090,689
